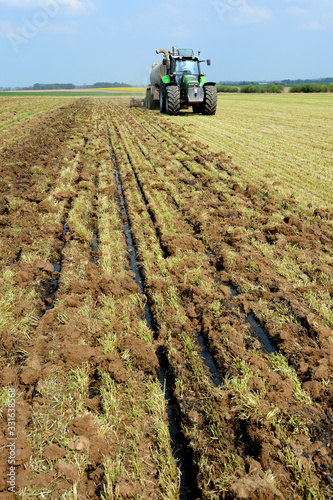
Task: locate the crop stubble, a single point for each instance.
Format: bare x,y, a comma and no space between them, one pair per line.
92,417
285,138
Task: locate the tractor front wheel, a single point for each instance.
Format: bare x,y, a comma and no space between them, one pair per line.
210,102
172,101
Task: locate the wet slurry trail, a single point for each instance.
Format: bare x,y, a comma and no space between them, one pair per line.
186,490
167,327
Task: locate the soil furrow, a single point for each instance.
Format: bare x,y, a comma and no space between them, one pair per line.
257,331
186,490
94,341
174,368
204,318
188,318
180,451
275,280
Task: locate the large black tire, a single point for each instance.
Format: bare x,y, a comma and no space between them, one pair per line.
210,102
172,101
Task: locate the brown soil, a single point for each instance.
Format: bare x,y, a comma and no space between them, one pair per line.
198,230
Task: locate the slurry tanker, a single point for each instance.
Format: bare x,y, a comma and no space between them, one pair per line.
177,82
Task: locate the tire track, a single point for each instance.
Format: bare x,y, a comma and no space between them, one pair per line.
267,344
213,194
132,137
208,253
165,358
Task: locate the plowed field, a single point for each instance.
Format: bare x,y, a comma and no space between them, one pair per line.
165,326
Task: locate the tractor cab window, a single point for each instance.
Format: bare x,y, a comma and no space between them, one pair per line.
187,67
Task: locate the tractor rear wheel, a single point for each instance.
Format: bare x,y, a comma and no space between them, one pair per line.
172,101
210,102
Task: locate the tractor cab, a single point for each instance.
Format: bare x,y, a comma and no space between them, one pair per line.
184,63
185,70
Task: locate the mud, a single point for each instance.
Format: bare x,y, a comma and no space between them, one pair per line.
186,490
240,286
205,219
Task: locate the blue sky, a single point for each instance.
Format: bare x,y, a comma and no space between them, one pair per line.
85,41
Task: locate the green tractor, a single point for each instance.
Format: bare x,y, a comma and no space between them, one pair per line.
177,83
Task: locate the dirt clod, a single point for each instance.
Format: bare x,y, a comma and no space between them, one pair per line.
53,452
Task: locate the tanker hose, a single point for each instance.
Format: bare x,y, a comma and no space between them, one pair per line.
159,51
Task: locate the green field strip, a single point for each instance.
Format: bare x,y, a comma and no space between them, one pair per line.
288,136
71,94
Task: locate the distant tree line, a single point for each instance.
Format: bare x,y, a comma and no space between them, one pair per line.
69,86
261,89
319,85
238,84
252,89
226,88
50,86
312,87
289,83
107,85
276,89
285,83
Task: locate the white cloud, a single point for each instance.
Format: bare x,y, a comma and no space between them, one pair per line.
77,4
61,29
8,30
314,3
173,10
250,14
239,12
40,20
19,3
312,15
296,11
5,28
312,26
74,5
180,31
